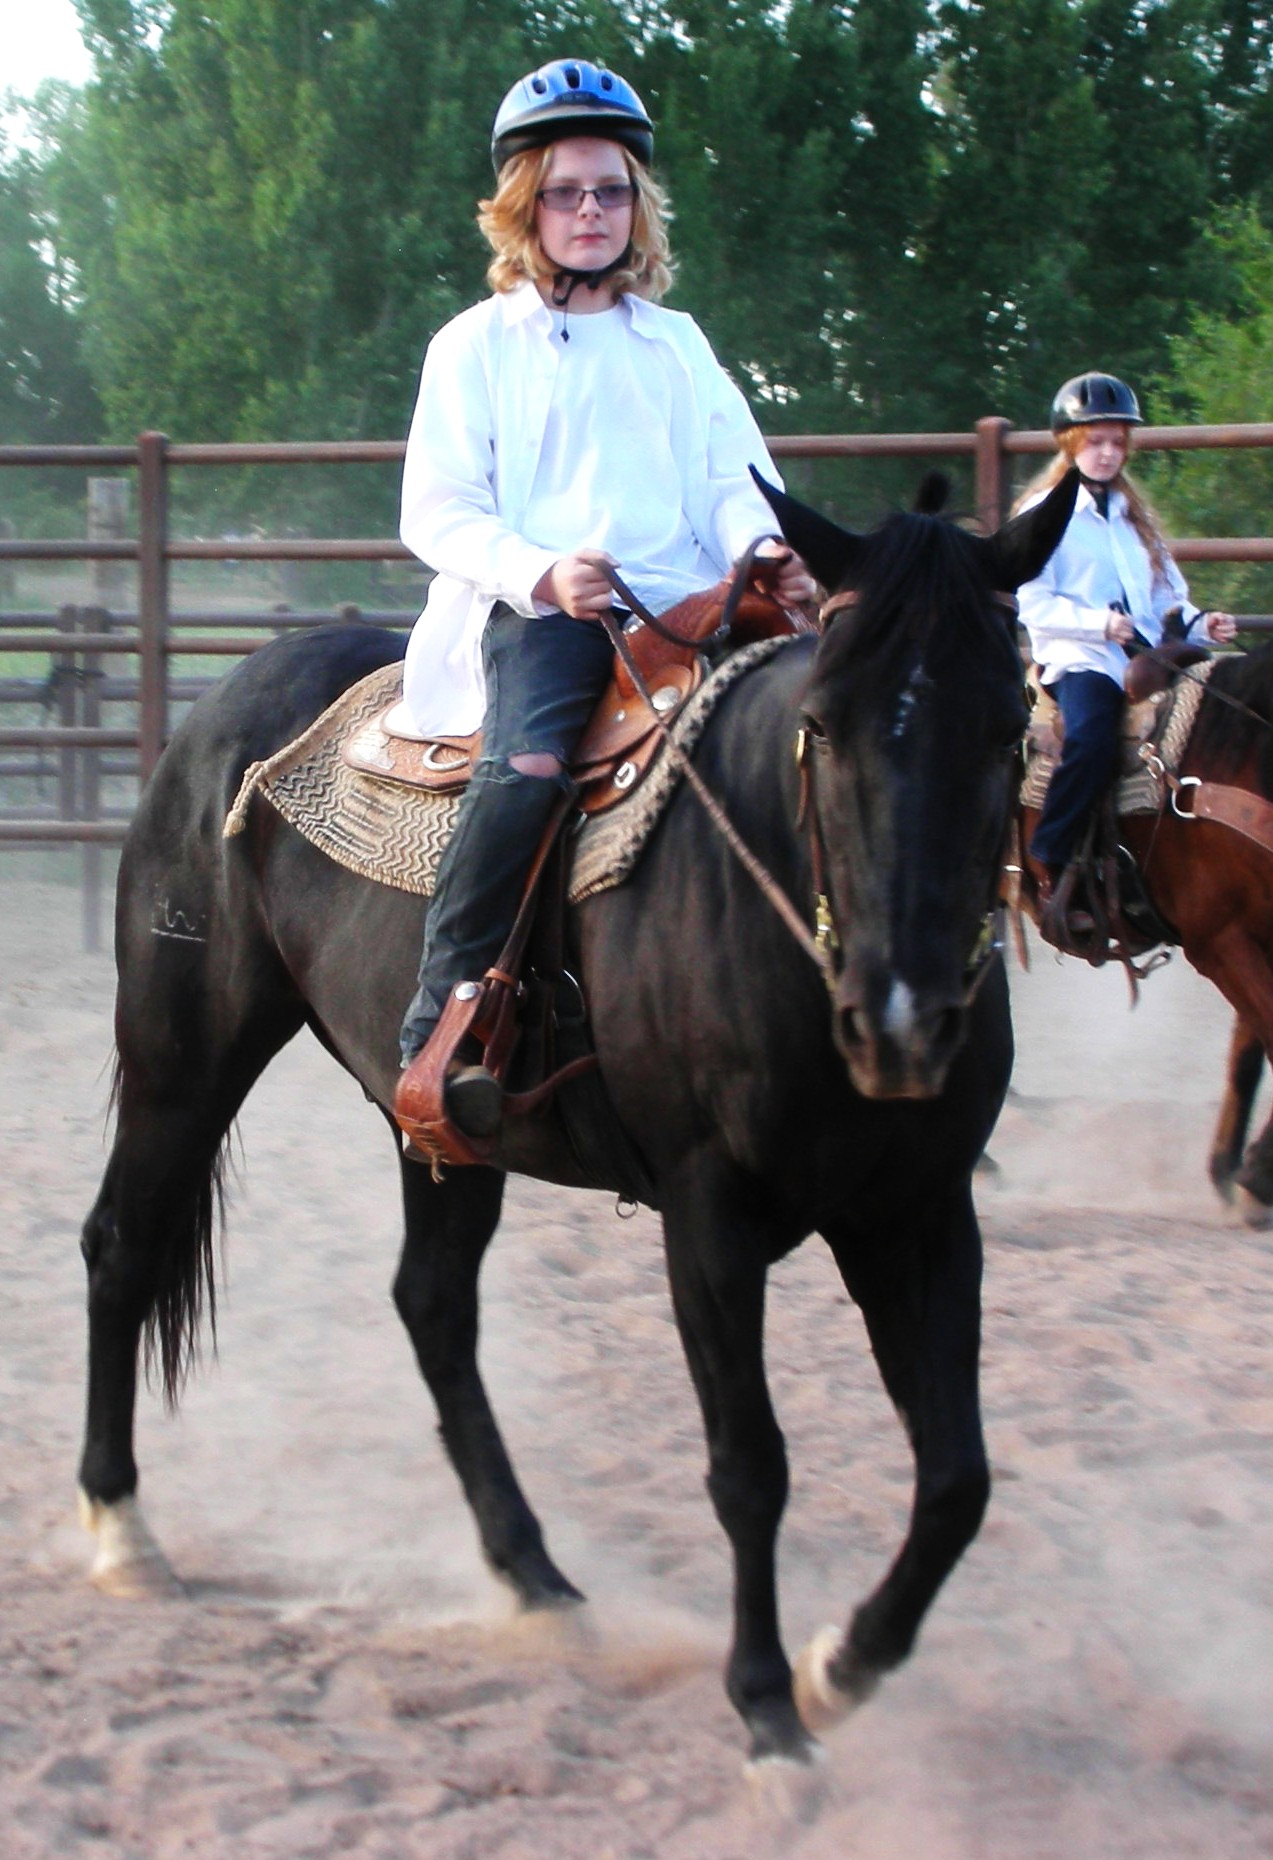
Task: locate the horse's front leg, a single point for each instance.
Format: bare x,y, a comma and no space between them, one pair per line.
449,1225
717,1254
919,1289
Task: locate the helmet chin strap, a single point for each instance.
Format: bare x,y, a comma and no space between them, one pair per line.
567,281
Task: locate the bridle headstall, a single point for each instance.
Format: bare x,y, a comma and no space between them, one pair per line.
823,945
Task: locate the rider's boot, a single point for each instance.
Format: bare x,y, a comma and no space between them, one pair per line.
478,888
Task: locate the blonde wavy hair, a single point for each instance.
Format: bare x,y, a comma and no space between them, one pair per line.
507,221
1140,512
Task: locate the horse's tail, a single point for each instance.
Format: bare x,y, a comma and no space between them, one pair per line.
187,1284
183,1267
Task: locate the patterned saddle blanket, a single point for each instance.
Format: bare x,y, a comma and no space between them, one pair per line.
377,826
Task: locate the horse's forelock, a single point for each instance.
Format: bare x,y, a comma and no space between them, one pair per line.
922,588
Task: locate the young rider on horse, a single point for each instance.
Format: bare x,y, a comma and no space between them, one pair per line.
1105,593
564,423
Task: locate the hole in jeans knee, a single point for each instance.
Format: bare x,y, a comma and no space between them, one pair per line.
539,762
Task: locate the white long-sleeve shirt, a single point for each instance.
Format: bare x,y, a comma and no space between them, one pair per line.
629,437
1098,563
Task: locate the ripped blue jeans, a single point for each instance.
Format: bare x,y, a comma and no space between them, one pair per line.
544,675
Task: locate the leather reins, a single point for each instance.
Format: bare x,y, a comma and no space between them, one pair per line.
764,879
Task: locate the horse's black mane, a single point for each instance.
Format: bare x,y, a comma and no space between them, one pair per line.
1225,737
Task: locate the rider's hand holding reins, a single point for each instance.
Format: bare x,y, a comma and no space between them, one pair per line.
576,584
794,585
1221,628
1118,627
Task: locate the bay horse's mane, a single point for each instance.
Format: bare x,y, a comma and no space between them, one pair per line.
921,589
1228,739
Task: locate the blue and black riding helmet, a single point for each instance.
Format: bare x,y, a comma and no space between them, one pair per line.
570,97
1094,400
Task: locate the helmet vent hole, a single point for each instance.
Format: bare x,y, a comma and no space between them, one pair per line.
539,84
607,82
572,76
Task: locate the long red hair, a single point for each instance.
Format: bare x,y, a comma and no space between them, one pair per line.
1140,512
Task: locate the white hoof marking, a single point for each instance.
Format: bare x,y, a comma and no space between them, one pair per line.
819,1701
782,1789
129,1562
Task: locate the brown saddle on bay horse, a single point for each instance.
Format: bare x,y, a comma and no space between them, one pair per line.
1099,908
659,662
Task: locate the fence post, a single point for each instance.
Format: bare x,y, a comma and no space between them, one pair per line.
991,485
92,620
65,685
152,598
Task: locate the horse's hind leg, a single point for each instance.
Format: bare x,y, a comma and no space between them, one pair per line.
145,1245
920,1297
449,1225
1243,1067
1234,1169
189,1052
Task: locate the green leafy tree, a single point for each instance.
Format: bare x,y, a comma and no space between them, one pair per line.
45,392
892,214
1219,372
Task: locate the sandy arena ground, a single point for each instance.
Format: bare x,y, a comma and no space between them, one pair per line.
344,1678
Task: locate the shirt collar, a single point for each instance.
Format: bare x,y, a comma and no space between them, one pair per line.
1085,501
523,303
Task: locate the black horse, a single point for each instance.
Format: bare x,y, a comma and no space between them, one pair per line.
764,1110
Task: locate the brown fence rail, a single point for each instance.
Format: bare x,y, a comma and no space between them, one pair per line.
84,749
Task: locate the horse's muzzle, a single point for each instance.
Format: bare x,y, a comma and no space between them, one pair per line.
895,1043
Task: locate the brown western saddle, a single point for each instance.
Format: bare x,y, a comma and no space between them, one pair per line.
659,663
1099,908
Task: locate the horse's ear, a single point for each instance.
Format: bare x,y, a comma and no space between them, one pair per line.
933,494
1020,550
830,553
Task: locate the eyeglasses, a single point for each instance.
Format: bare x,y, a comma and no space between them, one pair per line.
610,196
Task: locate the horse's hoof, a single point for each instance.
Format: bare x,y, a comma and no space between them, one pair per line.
559,1598
129,1563
820,1702
1255,1213
788,1788
1222,1180
538,1585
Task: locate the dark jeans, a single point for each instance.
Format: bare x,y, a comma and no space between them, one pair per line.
1092,707
543,678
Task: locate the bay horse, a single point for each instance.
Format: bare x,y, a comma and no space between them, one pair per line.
770,1097
1212,884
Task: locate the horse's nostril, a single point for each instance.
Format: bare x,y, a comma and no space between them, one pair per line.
855,1025
947,1031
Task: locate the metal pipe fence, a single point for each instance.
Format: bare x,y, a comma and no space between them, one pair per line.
91,756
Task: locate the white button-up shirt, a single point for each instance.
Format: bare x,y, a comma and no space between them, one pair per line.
491,437
1098,563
